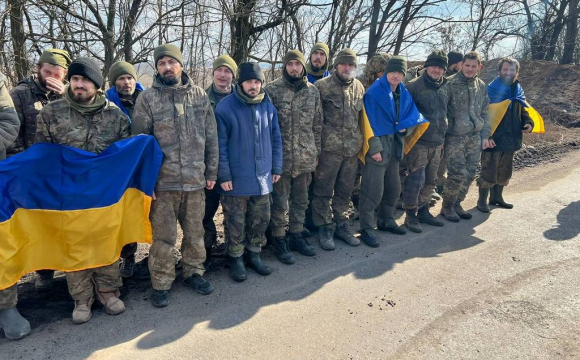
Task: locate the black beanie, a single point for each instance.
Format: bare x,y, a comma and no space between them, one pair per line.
397,63
88,68
437,58
249,71
454,57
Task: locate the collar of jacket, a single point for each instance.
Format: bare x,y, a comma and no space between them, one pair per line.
340,81
464,79
295,84
186,84
248,100
431,83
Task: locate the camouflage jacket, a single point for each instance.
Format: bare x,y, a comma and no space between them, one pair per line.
59,123
182,120
300,120
9,123
29,98
342,106
468,106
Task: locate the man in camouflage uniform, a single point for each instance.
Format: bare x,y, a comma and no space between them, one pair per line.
467,134
30,96
300,119
224,71
342,103
14,325
317,66
181,118
85,119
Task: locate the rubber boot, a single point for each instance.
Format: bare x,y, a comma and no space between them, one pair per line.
237,269
482,201
497,197
425,217
15,326
255,262
461,212
412,222
448,212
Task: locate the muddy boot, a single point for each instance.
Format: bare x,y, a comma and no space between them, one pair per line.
255,262
15,326
369,238
343,233
425,217
462,213
298,243
160,298
199,284
237,269
127,267
280,247
82,312
482,201
448,212
325,237
110,300
44,280
412,221
496,197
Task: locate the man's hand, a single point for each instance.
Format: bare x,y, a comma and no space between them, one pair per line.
227,186
487,144
275,178
55,85
153,197
377,157
527,129
209,184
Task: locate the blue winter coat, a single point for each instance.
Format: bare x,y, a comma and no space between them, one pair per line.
250,145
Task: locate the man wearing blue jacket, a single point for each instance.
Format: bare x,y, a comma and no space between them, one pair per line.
250,162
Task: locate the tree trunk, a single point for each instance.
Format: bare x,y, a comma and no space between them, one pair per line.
571,33
18,37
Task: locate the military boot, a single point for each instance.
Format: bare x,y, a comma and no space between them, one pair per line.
343,233
15,326
448,212
482,201
461,212
255,262
110,300
82,312
369,238
160,298
412,221
388,223
325,237
199,284
127,267
280,246
44,280
299,243
496,197
237,268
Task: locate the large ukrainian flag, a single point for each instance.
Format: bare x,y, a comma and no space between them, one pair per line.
501,99
67,209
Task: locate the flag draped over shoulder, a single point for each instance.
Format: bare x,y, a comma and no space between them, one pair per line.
379,115
67,209
501,99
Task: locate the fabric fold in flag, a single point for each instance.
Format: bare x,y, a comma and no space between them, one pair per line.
67,209
501,99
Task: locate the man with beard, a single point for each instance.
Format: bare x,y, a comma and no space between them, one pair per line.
341,140
317,66
467,134
506,137
85,119
300,119
250,161
181,118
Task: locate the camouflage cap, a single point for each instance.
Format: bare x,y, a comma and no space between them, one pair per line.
56,57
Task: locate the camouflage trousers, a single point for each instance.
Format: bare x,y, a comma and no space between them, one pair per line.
380,188
212,204
187,208
333,180
421,163
247,219
463,152
442,168
8,297
357,182
83,284
293,191
496,168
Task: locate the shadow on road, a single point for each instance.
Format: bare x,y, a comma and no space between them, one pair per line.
568,223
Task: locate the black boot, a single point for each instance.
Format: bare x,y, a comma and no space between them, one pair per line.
390,225
461,212
497,197
482,201
198,284
412,221
127,267
237,268
369,238
160,298
425,217
15,326
255,262
298,243
280,247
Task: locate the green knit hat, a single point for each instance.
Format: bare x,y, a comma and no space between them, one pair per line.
56,57
397,63
320,46
346,56
167,50
437,58
227,61
121,68
294,55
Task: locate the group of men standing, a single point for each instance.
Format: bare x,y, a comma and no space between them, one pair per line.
255,148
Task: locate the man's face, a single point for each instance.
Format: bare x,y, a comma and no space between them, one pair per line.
83,89
170,70
395,77
50,71
470,68
345,71
125,85
295,69
252,87
318,59
508,73
435,72
223,77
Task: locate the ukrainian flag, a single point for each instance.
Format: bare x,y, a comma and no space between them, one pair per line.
501,99
67,209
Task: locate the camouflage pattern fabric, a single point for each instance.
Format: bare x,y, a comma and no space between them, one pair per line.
247,219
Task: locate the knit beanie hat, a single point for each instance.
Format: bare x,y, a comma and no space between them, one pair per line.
294,55
167,50
121,68
437,58
454,57
227,61
88,68
249,71
320,46
346,56
56,57
397,63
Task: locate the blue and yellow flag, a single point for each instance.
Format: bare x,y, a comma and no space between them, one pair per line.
67,209
501,99
379,115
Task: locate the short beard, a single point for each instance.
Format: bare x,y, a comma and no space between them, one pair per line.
169,81
41,80
347,78
508,80
83,99
125,92
314,68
